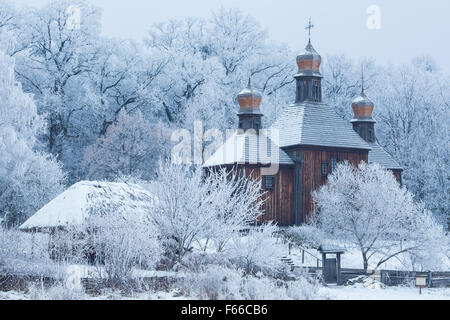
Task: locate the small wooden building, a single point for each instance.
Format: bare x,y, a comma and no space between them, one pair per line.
304,145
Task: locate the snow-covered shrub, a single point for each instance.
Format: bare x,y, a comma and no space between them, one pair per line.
259,251
262,288
221,283
24,253
307,236
303,288
116,245
197,260
121,244
368,208
213,283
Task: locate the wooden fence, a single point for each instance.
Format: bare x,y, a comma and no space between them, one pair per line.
390,277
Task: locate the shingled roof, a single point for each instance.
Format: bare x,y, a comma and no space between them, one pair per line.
382,157
243,148
316,124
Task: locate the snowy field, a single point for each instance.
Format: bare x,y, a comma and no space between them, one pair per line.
389,293
325,293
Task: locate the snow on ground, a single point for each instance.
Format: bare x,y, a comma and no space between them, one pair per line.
330,292
388,293
62,294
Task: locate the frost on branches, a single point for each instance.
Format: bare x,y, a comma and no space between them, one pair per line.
367,207
130,147
193,208
28,179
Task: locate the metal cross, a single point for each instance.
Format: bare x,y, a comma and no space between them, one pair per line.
309,27
362,79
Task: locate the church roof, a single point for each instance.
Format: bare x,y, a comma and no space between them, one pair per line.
382,157
244,148
316,124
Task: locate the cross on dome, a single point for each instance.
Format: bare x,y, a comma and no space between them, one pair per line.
309,26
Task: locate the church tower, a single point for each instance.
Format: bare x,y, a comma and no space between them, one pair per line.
309,79
250,116
362,122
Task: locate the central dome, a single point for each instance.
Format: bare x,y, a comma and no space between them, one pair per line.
309,61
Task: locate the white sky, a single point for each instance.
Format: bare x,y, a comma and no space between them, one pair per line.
408,28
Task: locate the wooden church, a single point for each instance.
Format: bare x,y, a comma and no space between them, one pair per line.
311,139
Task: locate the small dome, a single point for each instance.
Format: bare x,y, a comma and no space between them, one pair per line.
249,99
362,100
362,107
309,60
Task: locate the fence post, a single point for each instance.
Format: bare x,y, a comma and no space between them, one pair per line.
430,278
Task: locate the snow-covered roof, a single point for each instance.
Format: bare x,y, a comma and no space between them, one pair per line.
316,124
382,157
247,148
82,199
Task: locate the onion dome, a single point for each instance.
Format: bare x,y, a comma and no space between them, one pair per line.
309,61
362,108
249,100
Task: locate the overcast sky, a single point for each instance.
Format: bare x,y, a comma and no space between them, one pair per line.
408,28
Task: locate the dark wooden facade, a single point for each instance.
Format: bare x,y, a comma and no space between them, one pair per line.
309,175
279,201
290,201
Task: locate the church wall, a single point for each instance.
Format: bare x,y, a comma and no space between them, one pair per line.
311,171
279,202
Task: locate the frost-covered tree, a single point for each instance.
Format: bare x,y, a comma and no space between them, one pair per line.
28,179
54,67
366,207
210,61
193,207
132,146
413,116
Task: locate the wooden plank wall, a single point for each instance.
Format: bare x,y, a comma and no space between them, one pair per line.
279,202
312,172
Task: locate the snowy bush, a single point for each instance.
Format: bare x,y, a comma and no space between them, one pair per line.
214,283
307,236
121,245
222,283
23,253
259,251
116,246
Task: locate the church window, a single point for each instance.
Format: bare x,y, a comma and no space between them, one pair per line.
324,169
333,164
316,91
269,182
